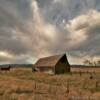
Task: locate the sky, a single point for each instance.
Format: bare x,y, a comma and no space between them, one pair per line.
31,29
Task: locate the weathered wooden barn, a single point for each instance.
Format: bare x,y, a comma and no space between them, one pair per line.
53,65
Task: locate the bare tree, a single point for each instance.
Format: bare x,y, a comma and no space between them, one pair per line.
88,62
98,63
91,62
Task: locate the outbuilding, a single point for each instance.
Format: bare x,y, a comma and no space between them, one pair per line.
57,64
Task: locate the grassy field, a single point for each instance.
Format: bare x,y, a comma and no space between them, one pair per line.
22,84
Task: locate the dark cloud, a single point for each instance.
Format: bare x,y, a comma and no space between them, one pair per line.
35,28
91,32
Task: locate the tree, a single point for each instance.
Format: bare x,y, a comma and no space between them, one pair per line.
91,62
98,63
88,62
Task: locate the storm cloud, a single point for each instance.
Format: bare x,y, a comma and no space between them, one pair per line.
30,29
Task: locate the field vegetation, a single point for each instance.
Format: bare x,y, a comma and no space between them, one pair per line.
23,84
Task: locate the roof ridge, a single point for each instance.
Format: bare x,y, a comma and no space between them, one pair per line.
53,56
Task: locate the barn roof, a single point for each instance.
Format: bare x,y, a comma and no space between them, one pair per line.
49,61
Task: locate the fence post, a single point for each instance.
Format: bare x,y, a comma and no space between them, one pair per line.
35,87
97,82
67,88
80,73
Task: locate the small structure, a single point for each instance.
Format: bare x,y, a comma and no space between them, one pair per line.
5,68
53,65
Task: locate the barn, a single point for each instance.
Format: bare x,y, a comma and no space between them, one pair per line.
57,64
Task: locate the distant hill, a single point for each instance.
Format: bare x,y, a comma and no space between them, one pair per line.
83,66
18,65
31,65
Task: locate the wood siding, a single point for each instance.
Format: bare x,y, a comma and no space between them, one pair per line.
62,66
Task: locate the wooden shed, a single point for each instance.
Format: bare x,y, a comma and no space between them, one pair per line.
53,65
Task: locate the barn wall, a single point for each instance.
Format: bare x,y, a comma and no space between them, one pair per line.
48,70
62,68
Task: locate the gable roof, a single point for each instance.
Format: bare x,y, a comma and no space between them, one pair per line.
49,61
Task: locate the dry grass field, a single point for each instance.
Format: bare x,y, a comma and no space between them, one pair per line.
22,84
